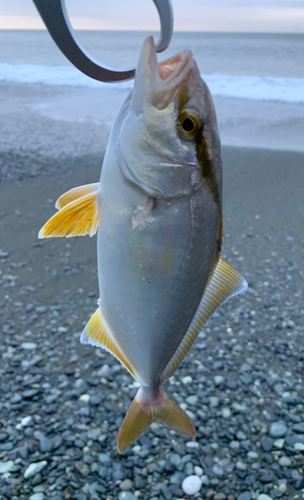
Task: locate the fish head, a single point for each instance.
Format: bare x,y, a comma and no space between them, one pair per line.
170,119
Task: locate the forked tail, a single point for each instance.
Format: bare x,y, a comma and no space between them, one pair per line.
143,412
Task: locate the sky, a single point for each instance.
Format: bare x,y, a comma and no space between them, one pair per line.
279,16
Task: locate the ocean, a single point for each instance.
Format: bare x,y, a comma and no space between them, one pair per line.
257,81
246,66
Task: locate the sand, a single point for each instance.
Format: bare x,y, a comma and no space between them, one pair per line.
263,195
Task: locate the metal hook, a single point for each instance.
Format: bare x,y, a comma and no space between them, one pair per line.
55,17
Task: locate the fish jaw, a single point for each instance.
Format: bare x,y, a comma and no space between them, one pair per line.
162,78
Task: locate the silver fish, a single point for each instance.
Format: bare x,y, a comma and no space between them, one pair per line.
158,209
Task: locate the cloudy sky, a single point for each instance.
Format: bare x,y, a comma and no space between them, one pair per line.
190,15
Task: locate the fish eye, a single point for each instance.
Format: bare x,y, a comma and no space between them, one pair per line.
189,123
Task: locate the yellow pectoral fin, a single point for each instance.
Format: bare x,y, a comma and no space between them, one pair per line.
97,333
76,193
77,218
225,283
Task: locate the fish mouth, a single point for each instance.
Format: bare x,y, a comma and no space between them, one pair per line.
174,67
158,82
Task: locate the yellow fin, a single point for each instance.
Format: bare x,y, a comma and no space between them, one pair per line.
225,283
97,333
77,218
141,414
75,193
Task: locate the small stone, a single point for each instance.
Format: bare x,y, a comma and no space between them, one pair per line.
93,434
282,488
246,495
219,496
226,412
27,422
285,462
45,445
267,444
186,380
6,466
241,466
198,470
104,459
299,446
192,445
218,379
298,428
126,495
264,497
126,485
37,496
191,485
28,346
82,468
205,480
3,254
214,401
192,400
234,445
15,399
277,430
279,443
85,398
34,468
40,309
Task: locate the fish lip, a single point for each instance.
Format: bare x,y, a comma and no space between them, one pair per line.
171,69
165,72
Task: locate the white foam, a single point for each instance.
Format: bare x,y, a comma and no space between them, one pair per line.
257,88
289,90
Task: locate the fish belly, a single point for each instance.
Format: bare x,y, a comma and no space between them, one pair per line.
152,278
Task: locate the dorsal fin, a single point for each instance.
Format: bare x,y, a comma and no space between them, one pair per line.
225,283
97,333
77,217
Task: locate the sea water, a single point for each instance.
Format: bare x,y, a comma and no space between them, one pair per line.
267,67
257,82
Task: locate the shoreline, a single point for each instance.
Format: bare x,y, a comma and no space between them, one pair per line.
40,124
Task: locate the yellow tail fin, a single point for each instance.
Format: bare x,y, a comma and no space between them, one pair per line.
141,414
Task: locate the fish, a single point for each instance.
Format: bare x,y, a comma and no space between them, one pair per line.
158,215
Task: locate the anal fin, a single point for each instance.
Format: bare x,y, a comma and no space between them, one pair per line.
97,333
76,218
225,283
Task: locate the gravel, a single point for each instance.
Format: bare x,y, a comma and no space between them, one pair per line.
62,403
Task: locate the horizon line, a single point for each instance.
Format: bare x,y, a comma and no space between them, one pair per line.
175,31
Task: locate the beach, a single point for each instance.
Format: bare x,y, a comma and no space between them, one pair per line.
62,402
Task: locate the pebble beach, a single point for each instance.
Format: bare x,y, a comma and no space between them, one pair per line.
62,403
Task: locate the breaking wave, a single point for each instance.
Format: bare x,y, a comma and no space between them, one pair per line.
257,88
